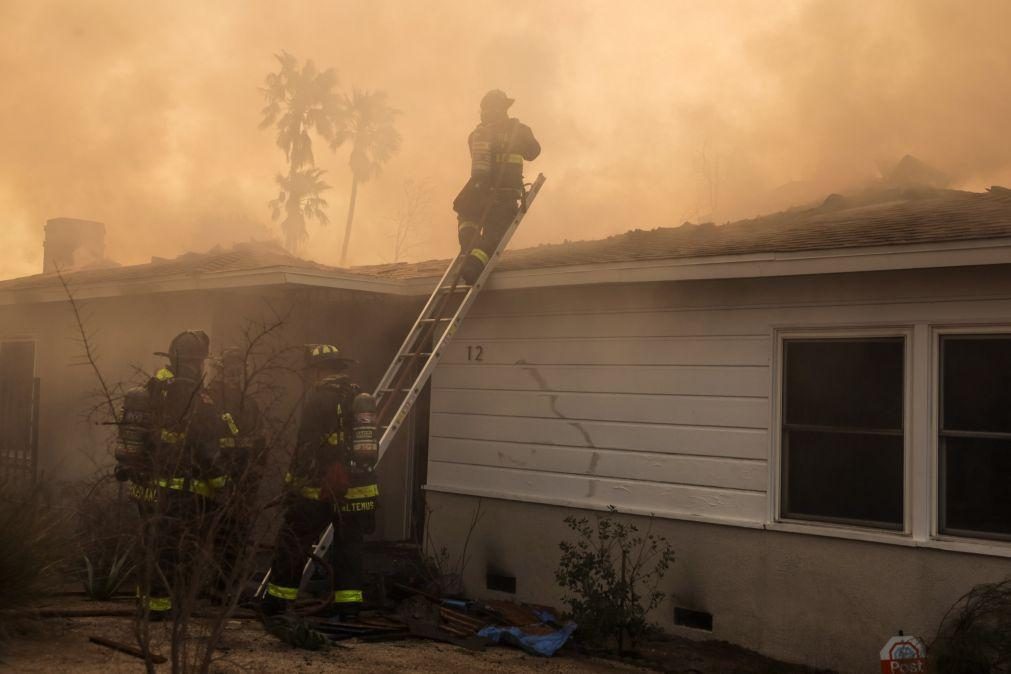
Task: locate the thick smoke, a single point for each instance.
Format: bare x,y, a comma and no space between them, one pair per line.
144,115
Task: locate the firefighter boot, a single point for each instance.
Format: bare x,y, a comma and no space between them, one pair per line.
341,613
473,265
157,606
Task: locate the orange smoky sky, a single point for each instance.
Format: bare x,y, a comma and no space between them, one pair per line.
144,115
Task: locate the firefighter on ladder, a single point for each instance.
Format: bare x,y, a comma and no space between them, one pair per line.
331,481
491,198
169,432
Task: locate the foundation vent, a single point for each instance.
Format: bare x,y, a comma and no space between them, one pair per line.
500,582
697,620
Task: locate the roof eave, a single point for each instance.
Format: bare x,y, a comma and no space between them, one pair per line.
267,276
800,263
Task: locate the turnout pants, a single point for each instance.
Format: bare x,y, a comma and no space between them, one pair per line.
174,524
231,544
481,227
305,520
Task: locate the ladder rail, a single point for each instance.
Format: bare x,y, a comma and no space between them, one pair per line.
437,349
402,370
406,346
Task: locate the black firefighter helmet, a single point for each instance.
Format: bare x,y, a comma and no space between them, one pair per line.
187,350
495,101
326,357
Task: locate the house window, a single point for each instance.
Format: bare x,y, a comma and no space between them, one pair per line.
842,434
974,447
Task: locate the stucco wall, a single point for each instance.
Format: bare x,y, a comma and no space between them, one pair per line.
126,330
123,331
821,601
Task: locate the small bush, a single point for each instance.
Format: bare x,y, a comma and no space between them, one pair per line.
610,574
443,575
105,534
975,635
102,581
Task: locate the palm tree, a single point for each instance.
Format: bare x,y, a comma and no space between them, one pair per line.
301,100
300,200
368,125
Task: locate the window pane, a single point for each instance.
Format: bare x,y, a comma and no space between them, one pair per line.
845,383
975,485
977,383
844,476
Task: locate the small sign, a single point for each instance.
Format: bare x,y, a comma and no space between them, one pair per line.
903,655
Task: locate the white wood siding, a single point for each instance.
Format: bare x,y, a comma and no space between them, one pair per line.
653,397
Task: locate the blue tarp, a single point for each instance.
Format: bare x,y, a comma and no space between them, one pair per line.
535,644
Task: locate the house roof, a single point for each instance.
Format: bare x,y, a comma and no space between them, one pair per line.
874,218
898,217
241,257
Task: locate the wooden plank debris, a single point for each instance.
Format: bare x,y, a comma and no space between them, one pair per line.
129,650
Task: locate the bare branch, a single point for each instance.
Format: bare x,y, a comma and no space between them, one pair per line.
89,353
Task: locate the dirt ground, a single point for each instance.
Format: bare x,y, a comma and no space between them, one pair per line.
62,645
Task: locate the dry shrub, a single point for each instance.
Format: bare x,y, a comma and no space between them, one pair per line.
975,634
31,550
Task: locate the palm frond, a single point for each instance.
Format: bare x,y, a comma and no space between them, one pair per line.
371,127
299,100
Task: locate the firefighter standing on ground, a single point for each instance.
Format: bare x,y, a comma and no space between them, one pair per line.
331,481
170,432
491,198
240,452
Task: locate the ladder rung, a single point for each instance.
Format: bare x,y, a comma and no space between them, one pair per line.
412,355
392,390
455,289
436,320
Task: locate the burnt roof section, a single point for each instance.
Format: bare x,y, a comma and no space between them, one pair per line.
874,218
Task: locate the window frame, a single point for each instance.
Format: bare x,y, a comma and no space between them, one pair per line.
813,525
993,541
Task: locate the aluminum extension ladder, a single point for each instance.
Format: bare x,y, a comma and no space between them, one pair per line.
414,363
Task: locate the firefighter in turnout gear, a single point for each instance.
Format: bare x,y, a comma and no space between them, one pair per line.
241,420
491,198
169,434
331,481
240,452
